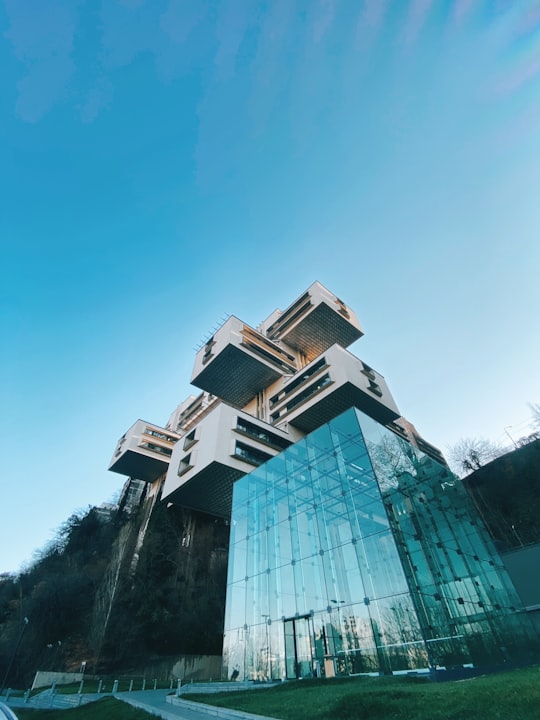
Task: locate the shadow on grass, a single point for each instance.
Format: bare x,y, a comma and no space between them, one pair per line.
104,709
513,695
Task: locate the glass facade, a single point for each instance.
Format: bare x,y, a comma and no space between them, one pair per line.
353,552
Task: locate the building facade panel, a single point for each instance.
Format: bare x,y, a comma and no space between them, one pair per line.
314,322
226,444
331,384
238,362
353,552
144,451
353,548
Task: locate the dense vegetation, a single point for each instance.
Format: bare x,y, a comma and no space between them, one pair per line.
98,594
56,595
506,493
174,602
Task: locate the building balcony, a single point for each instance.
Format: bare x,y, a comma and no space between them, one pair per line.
238,362
144,451
315,322
328,386
223,447
406,430
190,412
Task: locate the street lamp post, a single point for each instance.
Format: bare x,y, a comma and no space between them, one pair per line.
83,668
514,443
269,668
520,541
339,604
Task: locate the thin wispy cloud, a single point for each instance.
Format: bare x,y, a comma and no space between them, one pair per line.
274,45
127,30
530,20
415,21
463,8
525,73
181,18
42,36
519,52
324,15
233,21
98,97
372,14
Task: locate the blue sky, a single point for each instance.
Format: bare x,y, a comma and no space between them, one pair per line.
165,162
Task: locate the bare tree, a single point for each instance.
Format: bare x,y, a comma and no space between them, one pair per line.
469,454
535,415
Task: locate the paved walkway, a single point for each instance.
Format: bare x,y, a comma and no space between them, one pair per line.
156,702
6,713
170,707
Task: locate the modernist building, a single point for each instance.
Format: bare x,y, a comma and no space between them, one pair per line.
353,548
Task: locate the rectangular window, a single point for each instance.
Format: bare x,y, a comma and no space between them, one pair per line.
343,308
265,436
156,448
368,372
250,455
160,435
208,350
293,312
189,440
375,389
260,345
185,465
303,396
301,378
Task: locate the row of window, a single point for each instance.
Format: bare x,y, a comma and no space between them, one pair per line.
156,448
261,346
373,386
265,436
160,435
245,452
249,454
290,315
302,377
302,396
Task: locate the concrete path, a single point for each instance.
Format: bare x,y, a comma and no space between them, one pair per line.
6,713
170,707
156,702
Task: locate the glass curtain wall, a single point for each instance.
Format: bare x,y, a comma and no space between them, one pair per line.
353,552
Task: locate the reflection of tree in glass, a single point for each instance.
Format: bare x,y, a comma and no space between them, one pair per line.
391,458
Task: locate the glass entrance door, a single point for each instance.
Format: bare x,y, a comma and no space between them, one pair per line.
298,652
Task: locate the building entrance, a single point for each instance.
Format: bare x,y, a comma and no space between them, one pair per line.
298,647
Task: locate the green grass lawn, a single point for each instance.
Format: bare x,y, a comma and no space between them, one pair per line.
513,695
104,709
